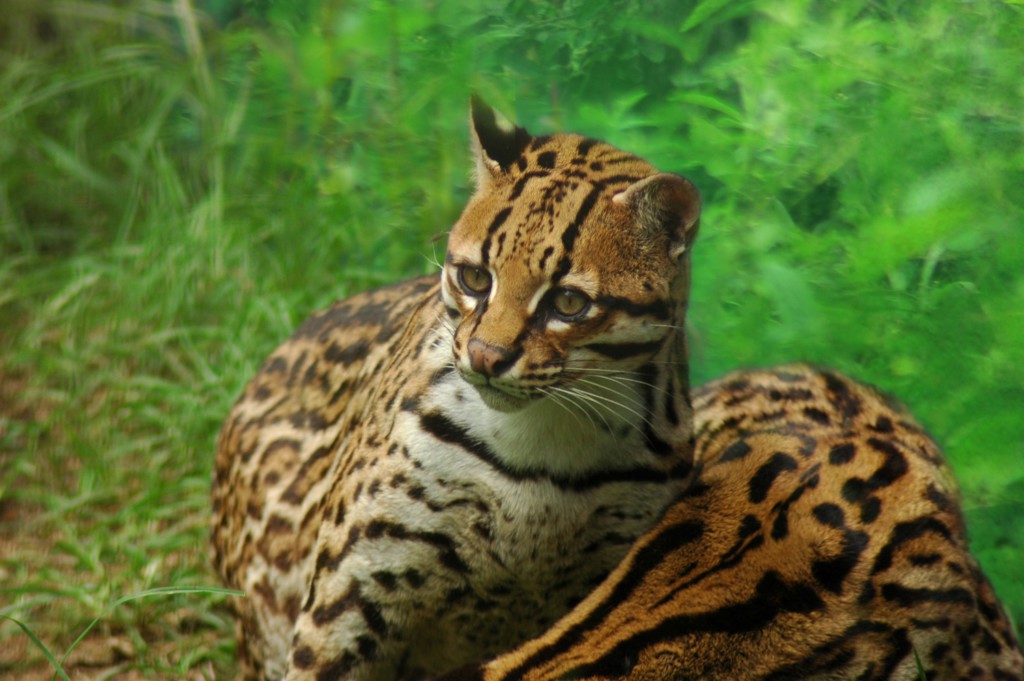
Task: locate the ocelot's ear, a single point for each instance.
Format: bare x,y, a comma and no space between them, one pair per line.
664,204
497,143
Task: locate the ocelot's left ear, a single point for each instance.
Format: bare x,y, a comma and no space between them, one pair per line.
664,204
497,143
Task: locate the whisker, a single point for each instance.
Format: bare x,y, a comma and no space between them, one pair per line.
603,404
613,402
432,258
657,362
445,323
558,399
614,376
585,397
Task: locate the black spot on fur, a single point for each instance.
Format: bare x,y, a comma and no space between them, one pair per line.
737,450
762,480
911,597
882,425
870,509
841,454
349,354
338,668
905,532
386,579
303,658
829,514
844,401
414,578
816,415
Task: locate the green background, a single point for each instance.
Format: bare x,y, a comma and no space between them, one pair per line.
180,184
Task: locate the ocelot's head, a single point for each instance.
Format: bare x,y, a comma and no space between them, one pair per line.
570,261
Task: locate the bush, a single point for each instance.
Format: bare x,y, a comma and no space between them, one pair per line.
179,187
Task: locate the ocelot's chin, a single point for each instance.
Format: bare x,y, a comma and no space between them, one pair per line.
500,400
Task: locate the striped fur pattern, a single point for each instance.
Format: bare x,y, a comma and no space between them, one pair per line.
427,474
822,540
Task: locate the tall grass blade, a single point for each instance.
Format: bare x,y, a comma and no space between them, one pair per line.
920,667
58,669
148,593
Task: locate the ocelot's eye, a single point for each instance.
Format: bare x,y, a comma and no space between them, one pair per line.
568,302
476,281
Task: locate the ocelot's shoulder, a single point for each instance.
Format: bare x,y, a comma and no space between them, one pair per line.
791,385
369,314
798,395
344,332
835,416
322,362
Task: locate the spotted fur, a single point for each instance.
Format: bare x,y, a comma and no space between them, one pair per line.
822,540
427,474
435,472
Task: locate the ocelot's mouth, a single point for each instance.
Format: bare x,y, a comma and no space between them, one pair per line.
497,396
499,400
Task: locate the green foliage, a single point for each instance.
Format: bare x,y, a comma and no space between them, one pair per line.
179,187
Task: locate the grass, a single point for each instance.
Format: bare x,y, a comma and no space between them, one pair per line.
58,665
180,185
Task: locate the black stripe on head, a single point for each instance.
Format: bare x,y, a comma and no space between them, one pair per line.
911,597
544,256
625,350
572,232
659,309
520,184
495,225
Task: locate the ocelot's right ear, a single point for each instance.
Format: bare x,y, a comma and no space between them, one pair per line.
664,204
497,143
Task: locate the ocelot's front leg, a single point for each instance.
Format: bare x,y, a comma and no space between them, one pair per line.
375,586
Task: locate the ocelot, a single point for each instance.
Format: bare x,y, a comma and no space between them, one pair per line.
432,473
427,474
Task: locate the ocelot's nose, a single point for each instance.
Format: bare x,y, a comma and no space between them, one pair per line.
485,358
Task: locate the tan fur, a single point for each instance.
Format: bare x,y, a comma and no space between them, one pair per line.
432,473
426,474
822,540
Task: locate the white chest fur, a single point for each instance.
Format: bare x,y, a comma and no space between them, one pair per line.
536,490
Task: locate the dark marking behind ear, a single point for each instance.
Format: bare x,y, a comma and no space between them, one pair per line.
502,144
